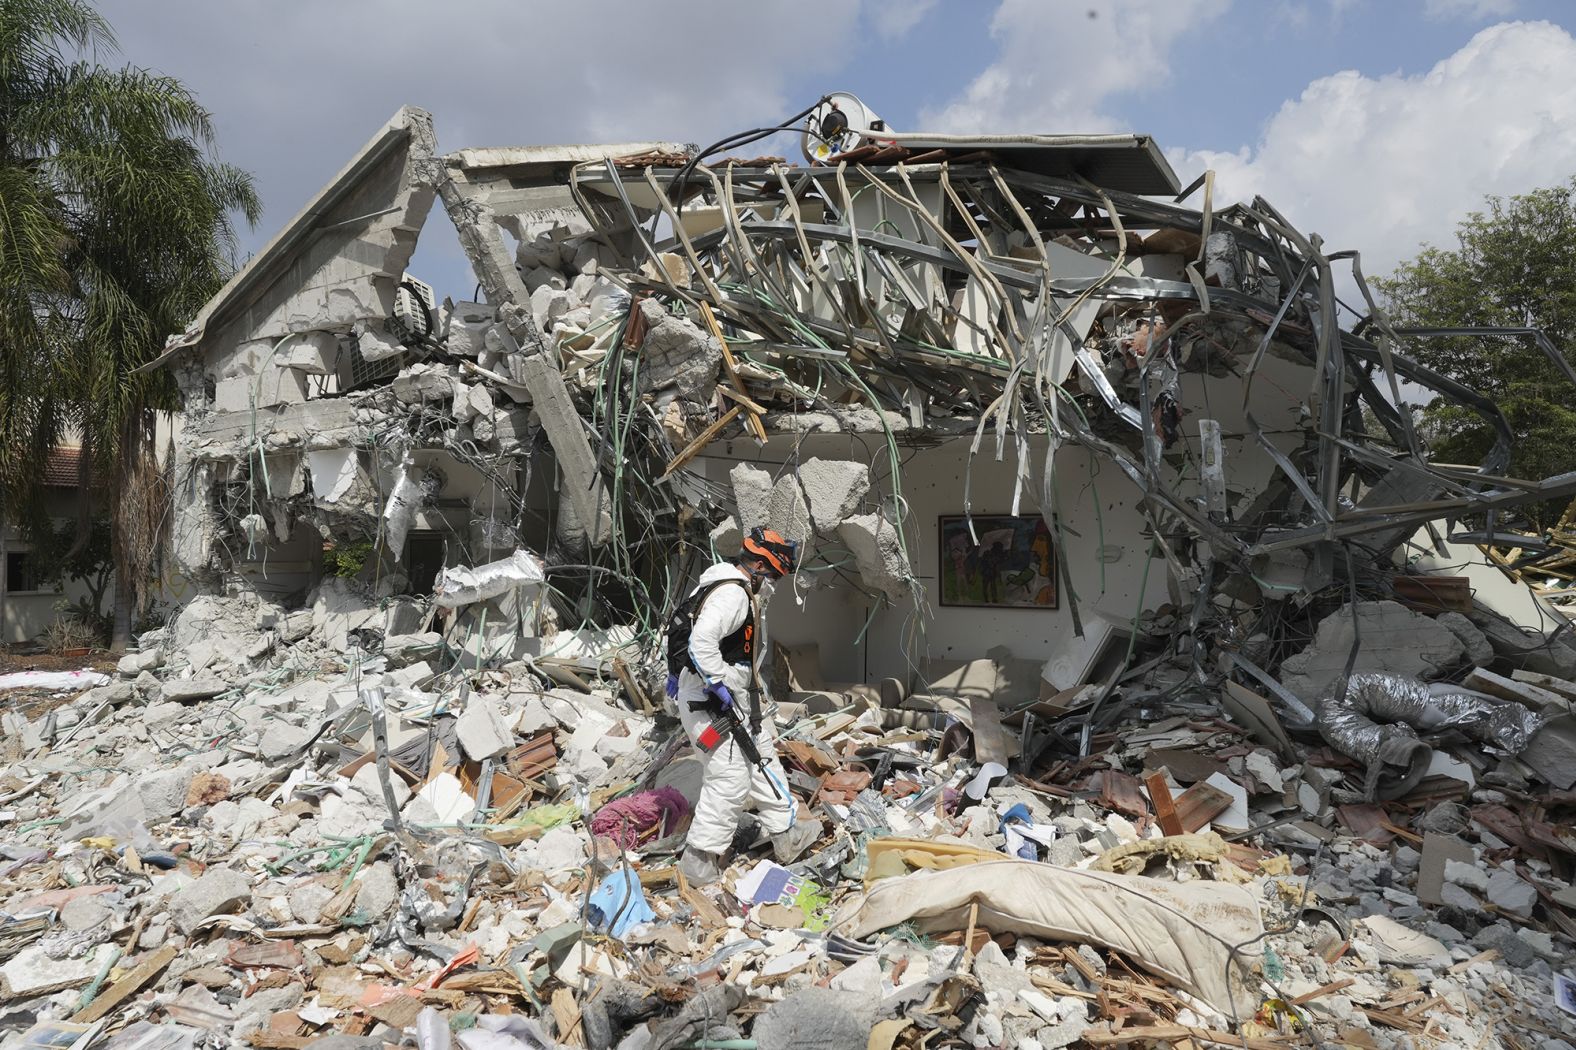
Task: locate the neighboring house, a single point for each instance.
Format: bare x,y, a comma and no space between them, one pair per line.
27,601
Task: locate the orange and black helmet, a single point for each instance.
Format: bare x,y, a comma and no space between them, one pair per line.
779,553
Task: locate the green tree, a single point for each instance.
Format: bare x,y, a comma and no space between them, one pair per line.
115,227
1514,266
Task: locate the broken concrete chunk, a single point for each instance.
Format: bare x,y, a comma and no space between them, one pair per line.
726,537
163,792
308,899
678,360
882,564
32,972
550,305
1479,652
1510,893
185,690
835,489
483,729
133,664
1551,753
752,495
788,513
426,383
377,892
1468,876
1394,639
218,891
280,740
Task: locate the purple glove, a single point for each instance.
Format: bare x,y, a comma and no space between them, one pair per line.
722,693
672,688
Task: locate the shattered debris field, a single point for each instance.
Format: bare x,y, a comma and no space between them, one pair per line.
1146,680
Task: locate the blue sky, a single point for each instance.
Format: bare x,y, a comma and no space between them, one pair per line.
1377,123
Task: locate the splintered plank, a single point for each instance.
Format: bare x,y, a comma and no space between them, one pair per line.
1199,805
127,986
1366,820
1165,808
1561,686
1524,693
732,368
699,444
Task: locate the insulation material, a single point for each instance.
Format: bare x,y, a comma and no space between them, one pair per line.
1353,722
1377,719
1185,932
463,586
400,511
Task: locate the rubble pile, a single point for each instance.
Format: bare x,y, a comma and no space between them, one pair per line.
323,838
1254,738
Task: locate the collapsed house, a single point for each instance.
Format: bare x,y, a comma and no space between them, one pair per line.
1089,480
670,350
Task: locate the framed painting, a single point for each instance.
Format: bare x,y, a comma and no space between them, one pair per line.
1013,566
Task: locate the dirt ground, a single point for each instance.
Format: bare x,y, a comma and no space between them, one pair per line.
96,660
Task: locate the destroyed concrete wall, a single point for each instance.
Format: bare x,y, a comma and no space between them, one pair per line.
321,291
640,346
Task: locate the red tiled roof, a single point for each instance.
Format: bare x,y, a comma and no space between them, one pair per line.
63,467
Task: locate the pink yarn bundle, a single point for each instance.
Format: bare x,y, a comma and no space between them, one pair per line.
641,817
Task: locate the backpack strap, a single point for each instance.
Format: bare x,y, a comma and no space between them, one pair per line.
699,598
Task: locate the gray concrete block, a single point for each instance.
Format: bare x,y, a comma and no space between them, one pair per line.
164,793
874,543
1479,652
835,489
378,891
281,739
482,729
218,891
752,495
133,664
308,899
727,537
788,513
1393,639
185,690
1510,893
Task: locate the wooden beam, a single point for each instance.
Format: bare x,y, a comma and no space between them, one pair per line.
734,395
732,368
1165,809
1199,805
127,986
694,448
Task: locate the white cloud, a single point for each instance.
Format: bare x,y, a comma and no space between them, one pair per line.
894,19
1471,10
295,88
1060,63
1384,164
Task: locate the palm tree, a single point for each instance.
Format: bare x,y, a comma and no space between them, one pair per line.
115,227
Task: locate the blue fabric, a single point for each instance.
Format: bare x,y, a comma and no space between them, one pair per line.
1019,814
619,904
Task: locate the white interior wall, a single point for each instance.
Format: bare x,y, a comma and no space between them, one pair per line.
899,638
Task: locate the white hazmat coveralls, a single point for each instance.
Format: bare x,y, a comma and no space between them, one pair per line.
730,779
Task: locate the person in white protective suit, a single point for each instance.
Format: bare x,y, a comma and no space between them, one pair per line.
721,674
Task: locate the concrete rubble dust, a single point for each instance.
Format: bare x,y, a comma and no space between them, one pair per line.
1276,747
